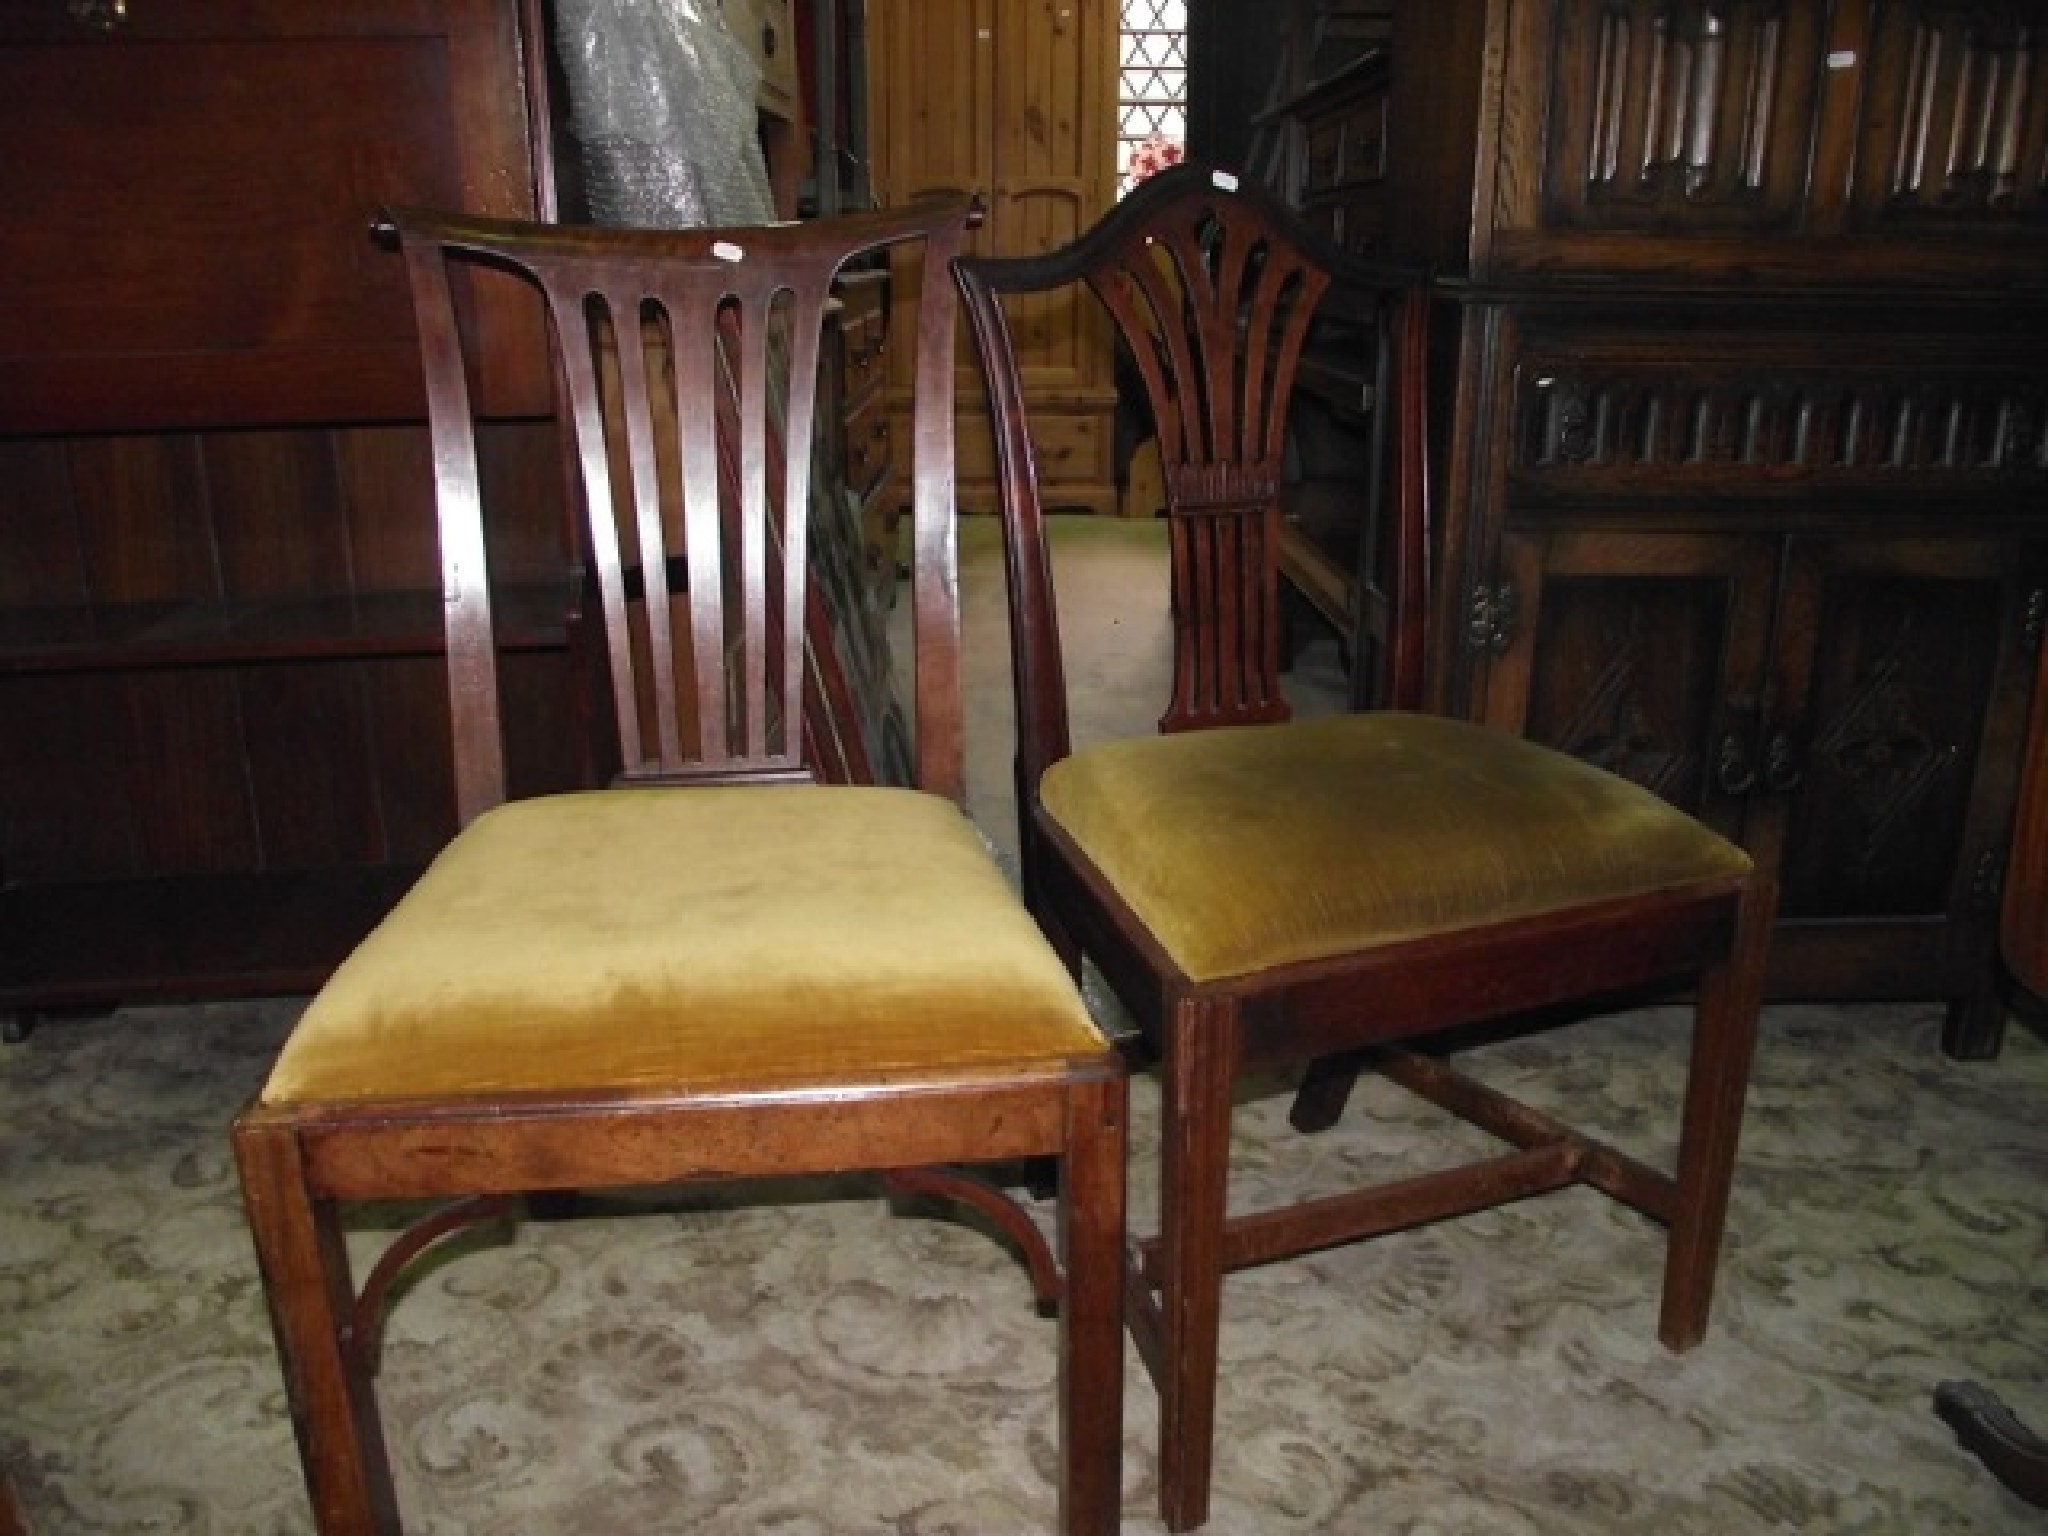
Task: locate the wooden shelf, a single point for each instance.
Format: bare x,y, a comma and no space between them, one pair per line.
96,943
183,634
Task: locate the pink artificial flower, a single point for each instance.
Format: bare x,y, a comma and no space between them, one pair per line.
1151,155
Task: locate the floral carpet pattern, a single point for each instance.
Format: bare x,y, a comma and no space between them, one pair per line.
800,1359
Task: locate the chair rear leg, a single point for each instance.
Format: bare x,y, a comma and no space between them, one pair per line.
1092,1309
1325,1090
1723,1046
1201,1051
304,1261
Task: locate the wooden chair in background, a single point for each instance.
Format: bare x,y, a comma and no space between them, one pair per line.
1259,892
721,970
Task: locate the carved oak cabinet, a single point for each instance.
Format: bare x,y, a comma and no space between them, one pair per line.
1743,359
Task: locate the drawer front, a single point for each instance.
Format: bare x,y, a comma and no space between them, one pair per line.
867,448
1347,148
1779,415
880,515
1070,444
865,359
768,29
864,330
1323,157
1356,224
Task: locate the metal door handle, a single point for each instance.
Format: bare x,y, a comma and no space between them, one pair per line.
1734,774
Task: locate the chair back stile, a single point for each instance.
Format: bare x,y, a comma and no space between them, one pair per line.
694,520
1037,665
474,708
1401,628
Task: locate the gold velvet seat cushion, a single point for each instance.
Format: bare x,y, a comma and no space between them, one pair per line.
693,939
1248,848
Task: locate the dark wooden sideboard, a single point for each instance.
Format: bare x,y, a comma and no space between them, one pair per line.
1743,373
222,716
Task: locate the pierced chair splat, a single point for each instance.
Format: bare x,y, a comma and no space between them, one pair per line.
1260,891
721,969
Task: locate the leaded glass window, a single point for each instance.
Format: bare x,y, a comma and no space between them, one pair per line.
1152,88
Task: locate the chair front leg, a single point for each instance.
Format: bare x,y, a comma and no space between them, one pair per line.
304,1261
1200,1058
1092,1309
1717,1082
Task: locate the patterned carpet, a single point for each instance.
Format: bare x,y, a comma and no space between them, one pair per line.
815,1364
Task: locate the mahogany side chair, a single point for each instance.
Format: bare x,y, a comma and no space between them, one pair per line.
718,968
1261,892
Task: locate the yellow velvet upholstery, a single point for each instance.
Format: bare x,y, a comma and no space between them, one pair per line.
1261,846
692,938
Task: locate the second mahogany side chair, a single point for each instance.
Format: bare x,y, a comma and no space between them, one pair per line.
1335,892
720,969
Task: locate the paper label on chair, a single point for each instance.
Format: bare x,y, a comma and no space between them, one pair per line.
725,250
1223,181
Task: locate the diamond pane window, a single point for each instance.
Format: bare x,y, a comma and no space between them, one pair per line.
1152,89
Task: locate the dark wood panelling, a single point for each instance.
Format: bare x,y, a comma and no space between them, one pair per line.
223,723
247,149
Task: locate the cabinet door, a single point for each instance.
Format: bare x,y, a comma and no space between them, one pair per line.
1015,100
1691,116
189,190
1902,674
1952,131
1642,652
1053,148
931,85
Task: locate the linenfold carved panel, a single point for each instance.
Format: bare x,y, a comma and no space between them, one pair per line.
1682,114
1688,420
1955,128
